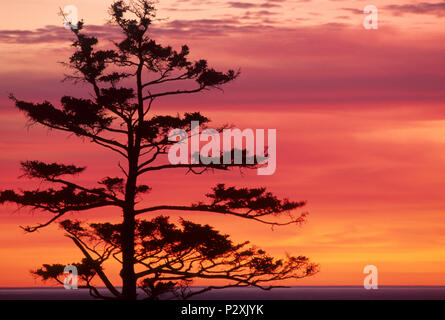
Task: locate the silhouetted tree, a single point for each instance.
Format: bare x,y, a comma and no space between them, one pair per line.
117,118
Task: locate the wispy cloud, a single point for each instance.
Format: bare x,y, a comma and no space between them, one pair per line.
54,34
353,10
437,9
249,5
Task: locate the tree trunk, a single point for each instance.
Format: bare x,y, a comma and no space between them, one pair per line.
128,233
129,224
127,243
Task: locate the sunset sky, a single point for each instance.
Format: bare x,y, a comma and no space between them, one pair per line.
360,119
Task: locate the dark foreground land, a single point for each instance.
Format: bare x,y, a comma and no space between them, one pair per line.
293,293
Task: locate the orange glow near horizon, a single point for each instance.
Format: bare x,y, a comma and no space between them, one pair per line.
360,125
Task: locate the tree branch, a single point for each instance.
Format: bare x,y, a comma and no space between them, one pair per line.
203,208
99,271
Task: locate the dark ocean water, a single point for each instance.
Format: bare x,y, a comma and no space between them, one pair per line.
293,293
